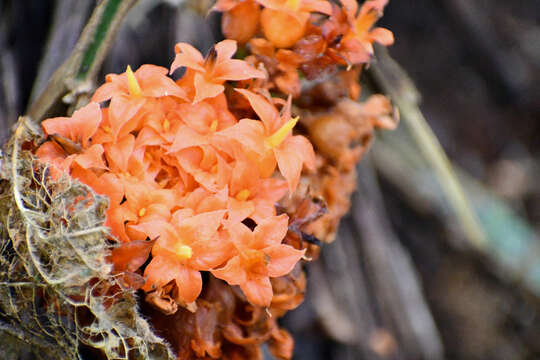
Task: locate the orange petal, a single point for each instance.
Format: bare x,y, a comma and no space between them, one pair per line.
270,231
201,227
249,133
382,36
198,116
233,272
155,83
163,269
131,256
244,178
50,151
240,235
116,218
79,128
208,255
110,185
186,137
189,283
225,50
205,89
351,7
355,52
263,209
235,70
141,195
188,56
294,152
107,184
148,137
108,90
272,189
258,291
239,210
282,259
161,230
319,6
267,112
91,158
118,154
122,113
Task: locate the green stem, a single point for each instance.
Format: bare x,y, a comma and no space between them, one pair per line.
75,76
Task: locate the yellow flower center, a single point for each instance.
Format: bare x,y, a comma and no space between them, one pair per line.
166,124
107,129
213,126
133,84
294,5
243,195
274,140
183,252
142,212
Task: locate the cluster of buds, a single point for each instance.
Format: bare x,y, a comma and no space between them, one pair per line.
311,38
204,174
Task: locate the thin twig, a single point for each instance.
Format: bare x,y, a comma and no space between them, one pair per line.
394,81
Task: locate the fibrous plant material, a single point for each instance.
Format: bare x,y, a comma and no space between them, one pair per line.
57,293
215,193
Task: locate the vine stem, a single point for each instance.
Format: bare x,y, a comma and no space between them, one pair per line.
74,79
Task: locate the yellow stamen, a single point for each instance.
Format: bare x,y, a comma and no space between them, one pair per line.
142,212
183,252
133,84
243,195
166,124
148,156
107,129
294,5
274,140
213,126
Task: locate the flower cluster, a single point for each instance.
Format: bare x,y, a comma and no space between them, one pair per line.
205,175
313,37
181,170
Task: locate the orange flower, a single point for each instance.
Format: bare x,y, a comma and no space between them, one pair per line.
208,75
130,93
260,255
78,128
147,81
250,195
240,20
356,45
143,203
284,21
68,135
273,137
186,244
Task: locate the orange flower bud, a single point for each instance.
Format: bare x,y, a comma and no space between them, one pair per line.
283,29
242,22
